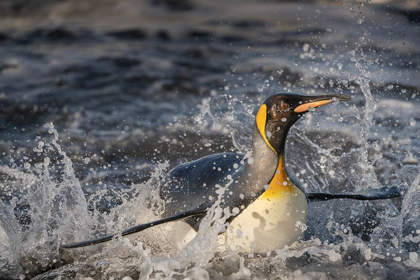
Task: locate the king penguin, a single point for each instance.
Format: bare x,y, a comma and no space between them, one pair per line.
272,209
270,203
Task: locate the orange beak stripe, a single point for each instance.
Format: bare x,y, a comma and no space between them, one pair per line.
305,107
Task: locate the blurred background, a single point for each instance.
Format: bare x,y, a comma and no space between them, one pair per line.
131,85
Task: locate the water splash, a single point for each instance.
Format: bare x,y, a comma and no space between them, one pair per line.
232,113
54,202
9,245
58,213
145,256
410,217
332,239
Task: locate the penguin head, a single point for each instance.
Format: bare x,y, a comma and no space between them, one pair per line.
280,111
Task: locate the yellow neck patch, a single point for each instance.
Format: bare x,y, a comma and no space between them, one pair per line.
280,185
261,120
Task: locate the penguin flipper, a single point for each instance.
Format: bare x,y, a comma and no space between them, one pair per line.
179,216
382,193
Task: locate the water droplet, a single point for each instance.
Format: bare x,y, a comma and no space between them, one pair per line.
413,256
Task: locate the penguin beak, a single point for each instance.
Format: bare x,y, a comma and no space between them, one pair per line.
316,101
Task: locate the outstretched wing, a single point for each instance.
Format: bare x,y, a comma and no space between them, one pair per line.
375,194
183,215
382,193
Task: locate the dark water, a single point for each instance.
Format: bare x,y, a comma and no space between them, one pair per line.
133,88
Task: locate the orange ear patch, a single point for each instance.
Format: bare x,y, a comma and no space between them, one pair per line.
305,107
261,120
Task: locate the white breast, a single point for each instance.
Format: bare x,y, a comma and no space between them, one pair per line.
268,223
276,219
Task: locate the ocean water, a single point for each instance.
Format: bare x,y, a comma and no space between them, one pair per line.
100,99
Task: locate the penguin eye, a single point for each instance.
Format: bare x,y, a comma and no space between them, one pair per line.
279,109
283,107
